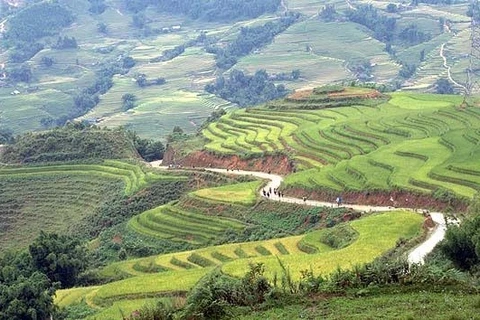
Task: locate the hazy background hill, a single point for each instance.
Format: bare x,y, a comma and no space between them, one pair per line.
146,64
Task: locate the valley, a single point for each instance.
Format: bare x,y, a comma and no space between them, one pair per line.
239,159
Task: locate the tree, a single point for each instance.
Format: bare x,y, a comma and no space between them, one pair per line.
328,13
148,149
47,61
128,63
443,86
422,55
139,20
25,293
60,257
462,243
6,136
20,74
102,28
392,8
25,298
128,100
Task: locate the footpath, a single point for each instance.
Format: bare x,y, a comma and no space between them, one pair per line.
415,256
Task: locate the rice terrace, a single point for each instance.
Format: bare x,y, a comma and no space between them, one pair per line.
258,159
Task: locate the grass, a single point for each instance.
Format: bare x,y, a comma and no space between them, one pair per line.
385,306
241,193
376,234
171,222
410,142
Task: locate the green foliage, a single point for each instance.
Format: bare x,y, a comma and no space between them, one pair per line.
199,260
412,35
215,10
26,298
382,26
443,86
249,39
246,90
212,295
162,310
339,237
47,61
128,101
462,244
149,149
182,264
20,74
72,142
38,20
61,258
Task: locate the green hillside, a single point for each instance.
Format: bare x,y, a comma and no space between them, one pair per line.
46,84
178,272
55,198
418,143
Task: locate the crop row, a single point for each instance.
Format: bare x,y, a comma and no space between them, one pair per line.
178,272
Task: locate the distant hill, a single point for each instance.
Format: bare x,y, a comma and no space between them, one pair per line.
83,57
70,143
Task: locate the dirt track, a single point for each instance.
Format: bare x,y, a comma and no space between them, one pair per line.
416,256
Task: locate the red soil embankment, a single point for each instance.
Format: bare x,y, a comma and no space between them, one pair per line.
401,199
279,164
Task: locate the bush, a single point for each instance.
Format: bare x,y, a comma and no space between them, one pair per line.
215,292
462,243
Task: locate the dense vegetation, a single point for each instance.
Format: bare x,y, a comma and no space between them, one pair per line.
73,142
246,90
213,10
29,278
365,147
249,39
37,21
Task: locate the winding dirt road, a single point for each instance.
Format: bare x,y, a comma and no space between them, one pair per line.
446,66
416,256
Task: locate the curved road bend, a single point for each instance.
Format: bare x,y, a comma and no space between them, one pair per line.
416,256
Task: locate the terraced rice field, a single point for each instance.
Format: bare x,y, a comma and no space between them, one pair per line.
174,273
413,142
172,223
55,197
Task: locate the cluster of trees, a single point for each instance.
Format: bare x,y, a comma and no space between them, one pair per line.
37,21
28,279
250,38
73,142
383,27
88,98
246,90
26,27
443,86
143,81
462,242
328,13
362,70
97,6
169,54
47,61
24,51
128,101
149,149
212,10
412,35
23,73
66,43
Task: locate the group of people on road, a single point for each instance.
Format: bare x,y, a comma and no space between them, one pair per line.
274,192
